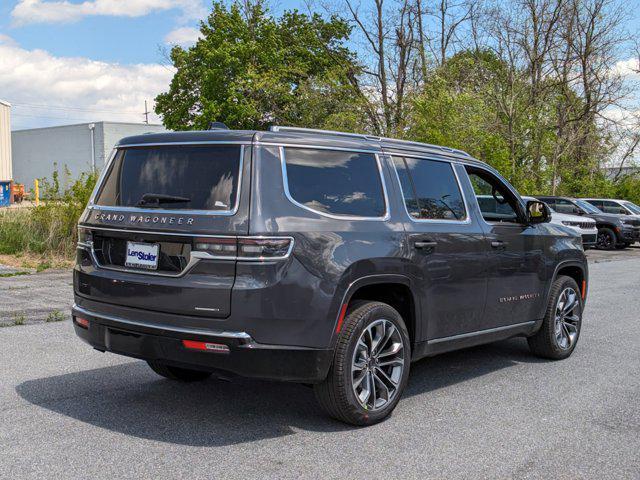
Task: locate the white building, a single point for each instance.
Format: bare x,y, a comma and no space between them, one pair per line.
80,148
5,141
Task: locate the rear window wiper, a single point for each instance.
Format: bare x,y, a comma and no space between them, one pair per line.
155,199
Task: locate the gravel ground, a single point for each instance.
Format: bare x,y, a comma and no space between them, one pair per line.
67,411
35,298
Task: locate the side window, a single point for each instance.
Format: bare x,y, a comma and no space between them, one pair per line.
430,189
612,207
596,203
495,200
565,206
335,182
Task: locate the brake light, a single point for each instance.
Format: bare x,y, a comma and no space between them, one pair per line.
245,248
276,247
218,246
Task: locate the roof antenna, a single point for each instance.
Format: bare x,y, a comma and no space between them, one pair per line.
218,126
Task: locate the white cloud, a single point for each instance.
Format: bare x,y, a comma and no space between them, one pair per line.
62,90
629,68
63,11
183,36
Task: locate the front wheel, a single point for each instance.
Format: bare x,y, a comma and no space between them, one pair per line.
370,366
606,239
560,330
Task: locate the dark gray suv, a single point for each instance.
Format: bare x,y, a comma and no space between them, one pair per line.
316,257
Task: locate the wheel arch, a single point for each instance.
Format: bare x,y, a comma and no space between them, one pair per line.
393,289
576,270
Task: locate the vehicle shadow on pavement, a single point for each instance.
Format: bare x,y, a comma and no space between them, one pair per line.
130,399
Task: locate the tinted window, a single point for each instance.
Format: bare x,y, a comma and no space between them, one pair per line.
430,189
611,207
339,183
565,206
173,177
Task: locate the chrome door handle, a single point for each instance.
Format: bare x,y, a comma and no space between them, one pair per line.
425,245
498,244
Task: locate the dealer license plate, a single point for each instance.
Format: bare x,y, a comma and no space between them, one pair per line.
142,255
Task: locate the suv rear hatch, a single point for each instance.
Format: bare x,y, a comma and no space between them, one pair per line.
161,233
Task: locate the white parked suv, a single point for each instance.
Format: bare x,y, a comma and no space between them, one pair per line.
615,206
586,227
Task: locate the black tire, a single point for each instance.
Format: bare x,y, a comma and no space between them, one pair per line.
176,373
336,394
545,342
606,239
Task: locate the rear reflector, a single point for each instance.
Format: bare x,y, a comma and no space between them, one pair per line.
584,289
343,312
82,322
209,347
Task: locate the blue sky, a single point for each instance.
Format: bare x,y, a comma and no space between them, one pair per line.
72,61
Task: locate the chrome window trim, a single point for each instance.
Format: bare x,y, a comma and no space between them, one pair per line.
465,221
222,213
285,181
195,142
196,256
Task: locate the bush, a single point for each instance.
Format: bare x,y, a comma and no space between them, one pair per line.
51,228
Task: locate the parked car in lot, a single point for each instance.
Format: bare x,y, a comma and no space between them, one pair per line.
585,227
614,231
317,257
616,207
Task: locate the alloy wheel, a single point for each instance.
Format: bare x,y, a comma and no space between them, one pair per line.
377,365
605,240
567,318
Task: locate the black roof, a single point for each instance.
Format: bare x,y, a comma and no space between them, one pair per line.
302,137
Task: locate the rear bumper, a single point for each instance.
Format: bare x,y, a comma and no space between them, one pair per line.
245,356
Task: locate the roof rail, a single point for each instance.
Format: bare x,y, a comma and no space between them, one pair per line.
279,128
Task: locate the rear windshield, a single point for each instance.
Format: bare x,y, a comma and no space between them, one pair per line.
180,177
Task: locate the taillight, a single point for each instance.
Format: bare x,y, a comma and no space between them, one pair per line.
245,248
253,248
217,246
85,237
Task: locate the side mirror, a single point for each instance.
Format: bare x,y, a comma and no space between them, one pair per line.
537,212
577,211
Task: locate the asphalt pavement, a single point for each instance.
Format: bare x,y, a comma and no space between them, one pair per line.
67,411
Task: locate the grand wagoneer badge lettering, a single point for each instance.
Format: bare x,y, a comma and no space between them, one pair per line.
517,298
118,217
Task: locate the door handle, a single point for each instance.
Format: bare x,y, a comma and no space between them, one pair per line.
425,244
499,244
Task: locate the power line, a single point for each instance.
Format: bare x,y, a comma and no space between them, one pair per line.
78,109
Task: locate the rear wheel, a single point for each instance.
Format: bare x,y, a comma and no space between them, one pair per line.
370,366
560,330
606,239
176,373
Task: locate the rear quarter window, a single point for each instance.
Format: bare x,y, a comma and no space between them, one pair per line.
335,182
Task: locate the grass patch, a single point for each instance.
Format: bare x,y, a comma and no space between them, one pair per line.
49,231
19,319
13,274
55,316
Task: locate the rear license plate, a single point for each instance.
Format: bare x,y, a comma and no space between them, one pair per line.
142,255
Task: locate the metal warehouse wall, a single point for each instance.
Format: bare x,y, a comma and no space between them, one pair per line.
5,141
35,151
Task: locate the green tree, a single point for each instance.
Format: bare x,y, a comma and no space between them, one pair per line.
250,70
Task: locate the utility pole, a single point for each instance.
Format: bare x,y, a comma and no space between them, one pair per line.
146,113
